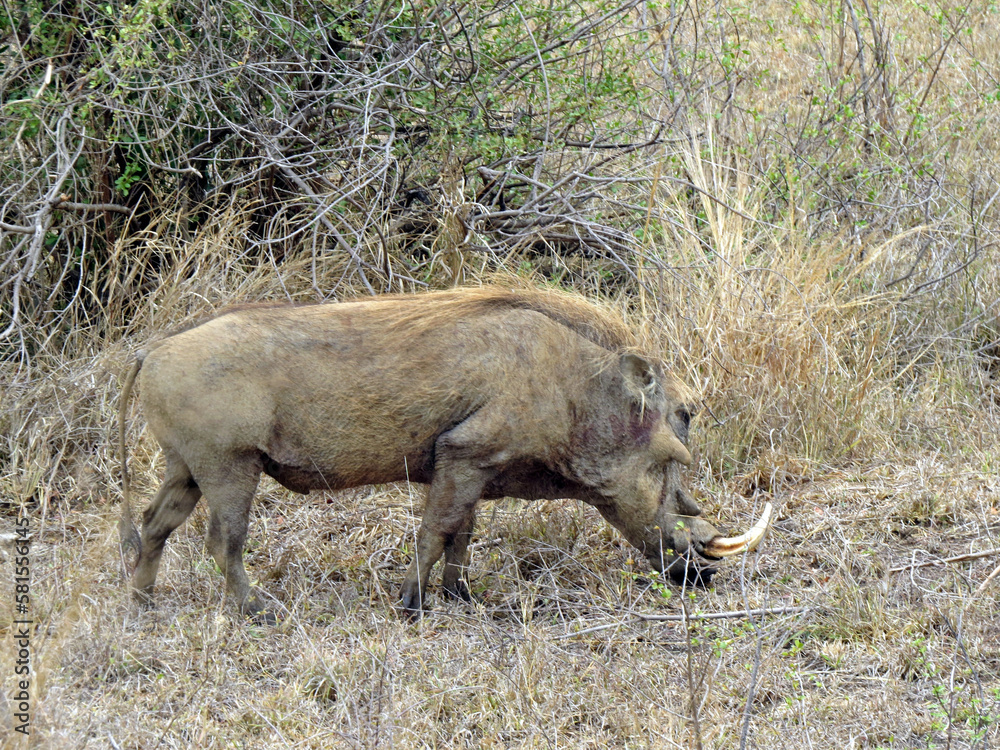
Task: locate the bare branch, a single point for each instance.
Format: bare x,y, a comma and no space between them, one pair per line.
733,614
947,560
67,205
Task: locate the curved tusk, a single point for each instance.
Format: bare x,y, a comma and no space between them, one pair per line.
729,546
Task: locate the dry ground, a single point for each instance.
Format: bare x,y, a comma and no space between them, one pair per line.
564,649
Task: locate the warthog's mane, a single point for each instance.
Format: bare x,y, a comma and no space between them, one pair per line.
598,326
409,312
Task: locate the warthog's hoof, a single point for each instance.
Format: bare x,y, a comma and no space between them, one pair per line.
254,610
411,603
264,617
143,597
459,591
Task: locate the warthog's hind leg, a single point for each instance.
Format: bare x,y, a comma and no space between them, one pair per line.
169,509
229,492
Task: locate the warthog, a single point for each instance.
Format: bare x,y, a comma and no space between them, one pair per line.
480,393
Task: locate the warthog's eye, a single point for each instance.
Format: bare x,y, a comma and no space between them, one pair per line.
681,423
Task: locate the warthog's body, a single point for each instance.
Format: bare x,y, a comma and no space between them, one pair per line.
478,393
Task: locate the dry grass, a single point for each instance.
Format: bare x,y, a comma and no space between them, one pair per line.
880,659
866,410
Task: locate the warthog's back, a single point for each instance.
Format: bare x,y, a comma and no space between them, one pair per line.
345,394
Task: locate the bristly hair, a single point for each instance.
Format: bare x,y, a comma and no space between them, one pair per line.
597,325
601,327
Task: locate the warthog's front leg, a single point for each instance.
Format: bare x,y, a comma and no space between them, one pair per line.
456,561
447,524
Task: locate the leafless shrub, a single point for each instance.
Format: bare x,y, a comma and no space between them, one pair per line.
337,128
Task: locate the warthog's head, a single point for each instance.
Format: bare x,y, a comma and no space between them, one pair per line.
647,497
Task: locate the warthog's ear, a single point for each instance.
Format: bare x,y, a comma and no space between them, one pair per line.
641,380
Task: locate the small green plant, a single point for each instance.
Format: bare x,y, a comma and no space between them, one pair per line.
132,174
660,586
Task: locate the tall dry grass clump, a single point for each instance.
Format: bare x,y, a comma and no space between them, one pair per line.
811,345
810,353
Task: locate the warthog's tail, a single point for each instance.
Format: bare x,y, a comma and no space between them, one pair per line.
128,534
